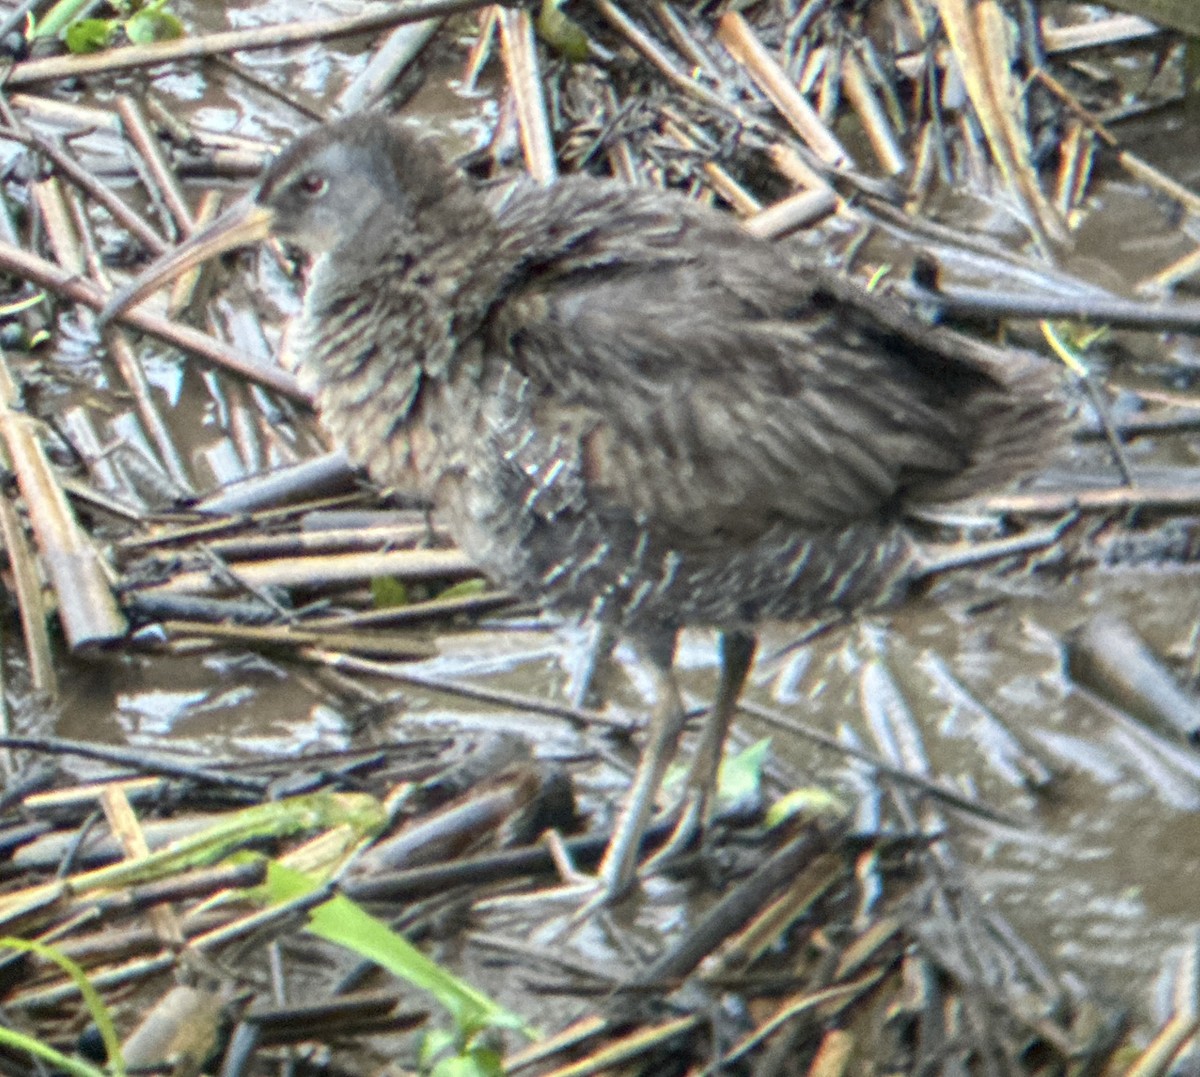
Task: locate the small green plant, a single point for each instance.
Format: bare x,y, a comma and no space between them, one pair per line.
139,21
75,1067
466,1051
561,32
389,593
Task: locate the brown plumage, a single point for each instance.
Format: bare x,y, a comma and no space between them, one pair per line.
627,407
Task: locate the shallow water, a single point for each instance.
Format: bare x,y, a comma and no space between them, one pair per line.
1101,876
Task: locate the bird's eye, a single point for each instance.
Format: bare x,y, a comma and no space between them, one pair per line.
314,184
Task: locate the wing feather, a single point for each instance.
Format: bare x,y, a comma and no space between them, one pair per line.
712,386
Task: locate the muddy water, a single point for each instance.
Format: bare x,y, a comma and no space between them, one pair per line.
1102,874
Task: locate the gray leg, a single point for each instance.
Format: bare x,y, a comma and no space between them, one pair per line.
619,867
700,789
737,656
590,676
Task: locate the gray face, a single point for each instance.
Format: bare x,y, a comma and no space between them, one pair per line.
326,198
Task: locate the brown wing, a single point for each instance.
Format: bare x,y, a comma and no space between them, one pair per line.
716,389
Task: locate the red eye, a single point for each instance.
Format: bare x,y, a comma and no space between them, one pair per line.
314,184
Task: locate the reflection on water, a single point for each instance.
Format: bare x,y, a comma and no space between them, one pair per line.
1102,877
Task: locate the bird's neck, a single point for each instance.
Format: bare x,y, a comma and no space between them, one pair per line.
441,258
385,315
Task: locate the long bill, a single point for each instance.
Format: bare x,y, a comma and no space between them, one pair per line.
244,223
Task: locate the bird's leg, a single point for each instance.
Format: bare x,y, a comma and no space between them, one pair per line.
619,866
700,787
737,656
592,673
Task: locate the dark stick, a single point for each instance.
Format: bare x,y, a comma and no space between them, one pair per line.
1098,309
143,762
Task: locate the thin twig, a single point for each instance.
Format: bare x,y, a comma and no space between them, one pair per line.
330,569
524,79
88,183
494,696
259,37
138,132
25,264
1117,499
743,44
86,606
659,58
391,59
32,609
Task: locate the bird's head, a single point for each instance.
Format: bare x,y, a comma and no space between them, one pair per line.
327,187
346,185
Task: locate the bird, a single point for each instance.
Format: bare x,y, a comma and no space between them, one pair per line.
627,407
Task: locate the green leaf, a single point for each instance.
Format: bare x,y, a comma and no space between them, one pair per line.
435,1043
341,921
388,593
562,33
285,884
59,17
89,35
464,589
274,819
446,1054
443,1055
810,801
91,998
741,774
153,24
478,1062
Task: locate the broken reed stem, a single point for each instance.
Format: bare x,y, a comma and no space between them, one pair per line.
219,44
1118,29
791,213
86,607
519,48
743,202
319,476
744,46
139,135
978,38
123,822
658,57
1140,169
392,671
323,571
90,185
46,274
323,540
28,586
126,361
52,207
872,115
119,350
387,645
390,60
1115,499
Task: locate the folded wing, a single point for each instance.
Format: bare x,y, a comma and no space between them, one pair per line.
710,386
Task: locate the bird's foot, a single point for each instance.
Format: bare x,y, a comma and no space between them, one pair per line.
685,823
573,885
675,831
691,824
